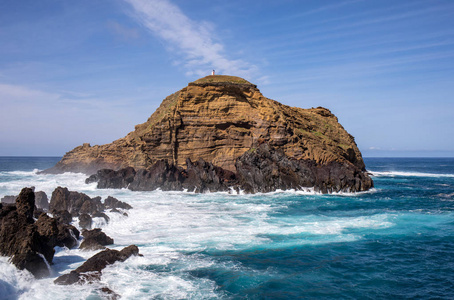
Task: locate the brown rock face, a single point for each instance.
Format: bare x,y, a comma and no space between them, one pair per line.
219,118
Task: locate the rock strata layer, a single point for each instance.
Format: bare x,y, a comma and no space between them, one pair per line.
218,119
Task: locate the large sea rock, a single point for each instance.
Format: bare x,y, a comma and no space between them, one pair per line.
218,119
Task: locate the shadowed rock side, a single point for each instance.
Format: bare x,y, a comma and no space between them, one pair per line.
199,176
261,169
266,169
217,119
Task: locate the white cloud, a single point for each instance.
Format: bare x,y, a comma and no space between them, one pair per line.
9,93
195,41
37,121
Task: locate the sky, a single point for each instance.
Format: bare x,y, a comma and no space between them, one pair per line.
82,71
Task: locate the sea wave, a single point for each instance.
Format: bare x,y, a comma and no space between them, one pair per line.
406,174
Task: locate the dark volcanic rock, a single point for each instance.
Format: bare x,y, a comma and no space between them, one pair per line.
95,239
63,199
63,216
68,236
266,169
261,169
114,203
91,206
107,293
25,203
203,176
31,244
91,269
85,221
75,203
161,175
107,257
20,238
200,176
57,234
113,179
48,228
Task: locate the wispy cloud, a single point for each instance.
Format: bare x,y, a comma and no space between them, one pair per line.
194,41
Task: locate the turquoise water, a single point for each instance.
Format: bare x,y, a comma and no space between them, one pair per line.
395,242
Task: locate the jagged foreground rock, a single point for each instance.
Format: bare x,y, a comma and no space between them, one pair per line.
30,243
218,119
91,270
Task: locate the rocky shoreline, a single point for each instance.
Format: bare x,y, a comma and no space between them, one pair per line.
262,169
28,235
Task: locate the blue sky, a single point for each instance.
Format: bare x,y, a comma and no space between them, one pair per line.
88,71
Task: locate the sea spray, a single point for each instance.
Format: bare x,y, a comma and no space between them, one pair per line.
46,262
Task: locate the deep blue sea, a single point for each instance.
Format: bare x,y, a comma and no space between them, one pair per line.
394,242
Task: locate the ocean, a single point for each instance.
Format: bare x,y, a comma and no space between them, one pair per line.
393,242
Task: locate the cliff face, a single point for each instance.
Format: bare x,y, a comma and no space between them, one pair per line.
219,118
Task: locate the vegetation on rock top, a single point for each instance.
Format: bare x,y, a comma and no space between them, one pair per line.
222,79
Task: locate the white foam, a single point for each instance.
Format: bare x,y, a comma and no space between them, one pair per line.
46,262
407,174
167,226
13,282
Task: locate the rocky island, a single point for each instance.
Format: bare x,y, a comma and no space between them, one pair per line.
220,133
